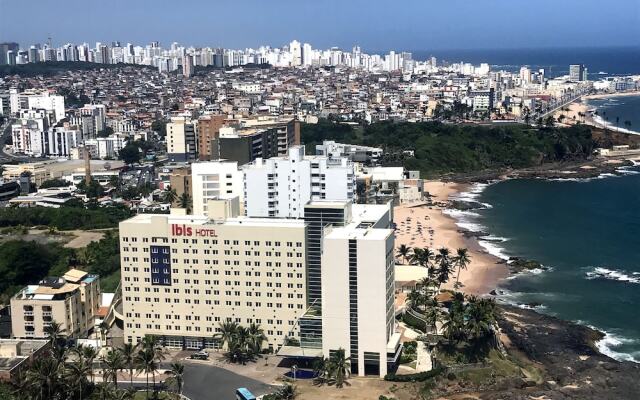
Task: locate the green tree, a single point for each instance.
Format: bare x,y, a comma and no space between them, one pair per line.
461,260
177,377
130,154
113,362
185,202
340,367
404,252
129,359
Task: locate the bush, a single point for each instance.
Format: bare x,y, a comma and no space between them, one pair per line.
419,377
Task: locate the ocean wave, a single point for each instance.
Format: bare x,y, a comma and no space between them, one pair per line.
628,170
452,212
472,194
491,238
493,249
613,274
601,176
610,342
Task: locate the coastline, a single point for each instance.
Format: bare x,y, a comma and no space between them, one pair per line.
604,341
578,112
608,95
441,229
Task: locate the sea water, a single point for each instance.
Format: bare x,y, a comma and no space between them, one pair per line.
587,234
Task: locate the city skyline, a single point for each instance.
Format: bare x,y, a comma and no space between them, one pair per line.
416,26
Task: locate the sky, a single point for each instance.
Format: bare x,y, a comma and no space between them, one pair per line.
375,25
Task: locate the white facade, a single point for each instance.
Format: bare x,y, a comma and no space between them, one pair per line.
37,100
358,290
29,134
61,140
212,181
281,186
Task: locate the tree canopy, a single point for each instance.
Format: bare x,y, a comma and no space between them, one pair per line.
442,148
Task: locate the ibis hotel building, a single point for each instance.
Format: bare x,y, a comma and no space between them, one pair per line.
183,275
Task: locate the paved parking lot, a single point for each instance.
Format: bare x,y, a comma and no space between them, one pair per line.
206,382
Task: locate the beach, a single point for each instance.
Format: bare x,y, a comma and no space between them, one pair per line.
614,94
428,226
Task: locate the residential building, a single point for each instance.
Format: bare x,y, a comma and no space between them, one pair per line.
578,72
215,180
281,186
182,141
180,180
245,145
208,130
362,154
16,357
71,300
33,100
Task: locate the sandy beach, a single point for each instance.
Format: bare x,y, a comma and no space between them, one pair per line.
577,114
424,226
617,94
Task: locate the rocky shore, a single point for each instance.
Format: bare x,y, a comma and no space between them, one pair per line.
568,170
571,366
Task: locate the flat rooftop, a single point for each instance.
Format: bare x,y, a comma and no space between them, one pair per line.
204,220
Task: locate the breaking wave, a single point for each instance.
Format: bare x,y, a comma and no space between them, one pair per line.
613,275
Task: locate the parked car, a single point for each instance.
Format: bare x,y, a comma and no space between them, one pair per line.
201,355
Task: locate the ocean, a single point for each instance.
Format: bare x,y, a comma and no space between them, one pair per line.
617,110
587,233
601,61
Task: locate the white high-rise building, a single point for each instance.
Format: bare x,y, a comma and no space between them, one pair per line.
214,180
32,100
296,53
358,290
281,186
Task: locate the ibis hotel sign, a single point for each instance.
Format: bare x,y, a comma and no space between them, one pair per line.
184,230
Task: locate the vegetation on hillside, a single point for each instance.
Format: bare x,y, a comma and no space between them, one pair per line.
65,218
25,262
444,148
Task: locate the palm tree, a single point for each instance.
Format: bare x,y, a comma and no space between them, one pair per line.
128,359
443,260
227,332
152,343
54,332
452,325
461,260
44,377
170,196
77,372
90,354
113,362
433,315
339,367
404,251
256,338
104,390
185,202
177,376
146,361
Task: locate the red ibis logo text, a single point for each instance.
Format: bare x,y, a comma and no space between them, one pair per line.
184,230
